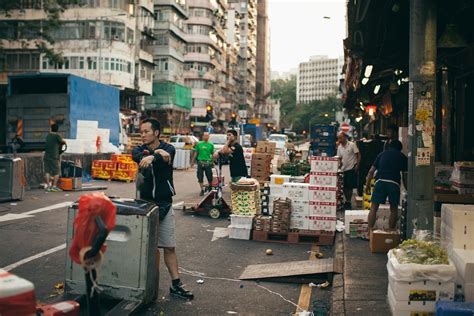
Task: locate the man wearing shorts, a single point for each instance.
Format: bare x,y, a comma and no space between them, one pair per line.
350,157
51,159
389,164
237,166
203,153
155,159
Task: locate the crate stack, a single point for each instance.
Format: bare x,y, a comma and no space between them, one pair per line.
261,166
245,199
240,226
121,168
248,152
462,178
457,235
281,216
263,223
323,140
276,189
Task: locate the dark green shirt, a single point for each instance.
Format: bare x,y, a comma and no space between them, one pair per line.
53,143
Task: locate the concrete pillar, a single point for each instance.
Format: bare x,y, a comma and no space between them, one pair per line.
421,105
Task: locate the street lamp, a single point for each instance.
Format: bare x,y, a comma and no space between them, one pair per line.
101,30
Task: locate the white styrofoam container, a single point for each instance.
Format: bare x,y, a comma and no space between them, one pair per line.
408,291
74,146
457,226
322,208
324,164
408,308
300,207
239,233
87,124
278,179
464,262
327,223
241,221
323,194
276,190
323,179
296,191
352,215
298,222
104,134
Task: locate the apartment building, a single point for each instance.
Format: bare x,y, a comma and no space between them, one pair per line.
318,78
263,55
205,57
171,100
108,41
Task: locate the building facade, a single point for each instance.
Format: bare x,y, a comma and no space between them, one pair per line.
318,78
104,41
171,99
263,55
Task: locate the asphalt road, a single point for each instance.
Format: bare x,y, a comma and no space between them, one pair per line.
24,236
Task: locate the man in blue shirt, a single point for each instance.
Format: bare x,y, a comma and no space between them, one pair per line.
389,164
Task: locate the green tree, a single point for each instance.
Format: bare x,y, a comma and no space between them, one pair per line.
316,112
285,91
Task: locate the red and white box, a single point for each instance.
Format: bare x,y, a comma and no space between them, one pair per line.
298,222
323,194
327,223
322,208
328,179
296,191
324,164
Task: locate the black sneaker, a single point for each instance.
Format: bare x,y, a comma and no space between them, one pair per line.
181,292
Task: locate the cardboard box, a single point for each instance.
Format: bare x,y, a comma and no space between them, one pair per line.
296,191
322,208
323,194
327,223
382,240
329,179
277,179
353,216
265,147
359,229
298,222
300,207
422,290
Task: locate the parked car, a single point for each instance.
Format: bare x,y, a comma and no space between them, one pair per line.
219,140
183,141
247,140
280,140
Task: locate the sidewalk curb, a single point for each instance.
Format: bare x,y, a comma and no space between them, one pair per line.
337,298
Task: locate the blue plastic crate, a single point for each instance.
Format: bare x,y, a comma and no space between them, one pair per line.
322,130
454,308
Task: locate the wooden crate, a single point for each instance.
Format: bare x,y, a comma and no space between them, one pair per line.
321,238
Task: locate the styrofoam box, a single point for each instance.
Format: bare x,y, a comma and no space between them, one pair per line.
408,308
321,222
406,291
276,190
296,191
239,233
277,179
464,262
104,134
323,194
352,215
248,150
324,164
300,207
241,221
322,208
74,146
457,226
298,222
468,289
323,179
87,124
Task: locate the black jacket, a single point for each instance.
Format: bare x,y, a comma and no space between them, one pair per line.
158,180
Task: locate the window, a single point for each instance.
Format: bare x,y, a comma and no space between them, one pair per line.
130,34
161,64
92,63
12,60
107,63
112,63
81,62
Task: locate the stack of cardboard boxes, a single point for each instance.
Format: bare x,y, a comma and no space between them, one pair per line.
245,199
248,152
121,167
457,235
262,161
462,178
281,216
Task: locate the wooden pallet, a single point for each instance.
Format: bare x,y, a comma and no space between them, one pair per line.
320,238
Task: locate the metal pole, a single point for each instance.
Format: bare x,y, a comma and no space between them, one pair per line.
421,102
446,108
102,27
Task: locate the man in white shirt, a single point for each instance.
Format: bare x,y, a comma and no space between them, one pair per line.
350,155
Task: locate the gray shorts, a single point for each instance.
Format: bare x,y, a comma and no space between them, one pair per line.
166,231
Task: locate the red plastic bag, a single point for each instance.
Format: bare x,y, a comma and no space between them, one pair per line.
85,228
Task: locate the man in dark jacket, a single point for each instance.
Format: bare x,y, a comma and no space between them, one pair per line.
155,159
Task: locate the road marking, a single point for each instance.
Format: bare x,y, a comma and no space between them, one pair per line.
13,216
305,294
37,256
219,232
178,205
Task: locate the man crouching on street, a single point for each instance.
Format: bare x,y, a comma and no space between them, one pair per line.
155,159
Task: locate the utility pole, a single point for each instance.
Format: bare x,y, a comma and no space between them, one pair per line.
421,105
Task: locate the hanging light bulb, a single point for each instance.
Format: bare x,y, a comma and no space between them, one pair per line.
368,70
364,81
377,89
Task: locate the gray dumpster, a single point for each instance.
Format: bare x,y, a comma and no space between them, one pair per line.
128,270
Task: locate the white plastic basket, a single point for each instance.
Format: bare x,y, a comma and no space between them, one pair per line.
239,233
241,221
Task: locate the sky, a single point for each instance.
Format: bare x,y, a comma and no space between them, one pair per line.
299,30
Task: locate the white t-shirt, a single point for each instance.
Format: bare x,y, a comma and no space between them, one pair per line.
348,155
